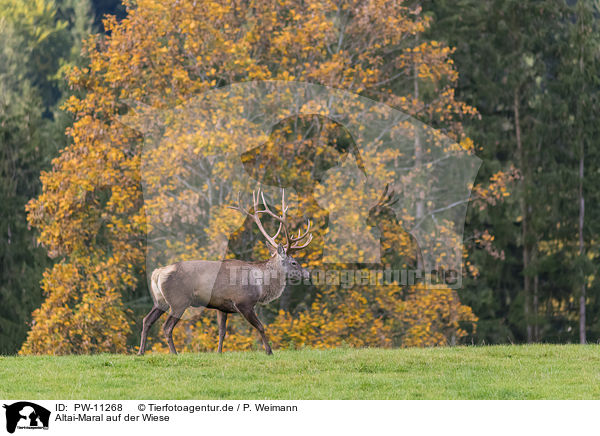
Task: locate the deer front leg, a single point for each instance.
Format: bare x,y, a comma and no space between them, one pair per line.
248,313
222,321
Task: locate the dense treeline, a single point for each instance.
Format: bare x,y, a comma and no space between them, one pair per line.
39,40
529,68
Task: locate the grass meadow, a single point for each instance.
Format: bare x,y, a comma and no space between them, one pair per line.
487,372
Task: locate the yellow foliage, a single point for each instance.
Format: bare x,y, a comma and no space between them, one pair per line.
91,212
82,313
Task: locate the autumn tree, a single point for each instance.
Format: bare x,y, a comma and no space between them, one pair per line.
92,215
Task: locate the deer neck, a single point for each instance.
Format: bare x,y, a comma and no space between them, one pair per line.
274,280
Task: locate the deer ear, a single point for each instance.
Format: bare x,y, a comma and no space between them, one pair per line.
281,250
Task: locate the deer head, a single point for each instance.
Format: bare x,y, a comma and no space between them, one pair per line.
281,254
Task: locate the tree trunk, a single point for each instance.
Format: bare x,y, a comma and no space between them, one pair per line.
523,204
535,308
420,206
582,338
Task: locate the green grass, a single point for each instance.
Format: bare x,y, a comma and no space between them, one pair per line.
492,372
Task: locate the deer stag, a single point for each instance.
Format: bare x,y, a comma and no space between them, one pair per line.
231,285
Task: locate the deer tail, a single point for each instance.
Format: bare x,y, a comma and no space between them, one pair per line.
157,294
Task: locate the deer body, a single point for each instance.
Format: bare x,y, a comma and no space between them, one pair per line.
217,285
229,286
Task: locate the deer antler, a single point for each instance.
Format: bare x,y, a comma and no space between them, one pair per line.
292,243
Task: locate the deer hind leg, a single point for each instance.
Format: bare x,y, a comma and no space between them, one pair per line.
252,318
149,319
168,327
222,321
